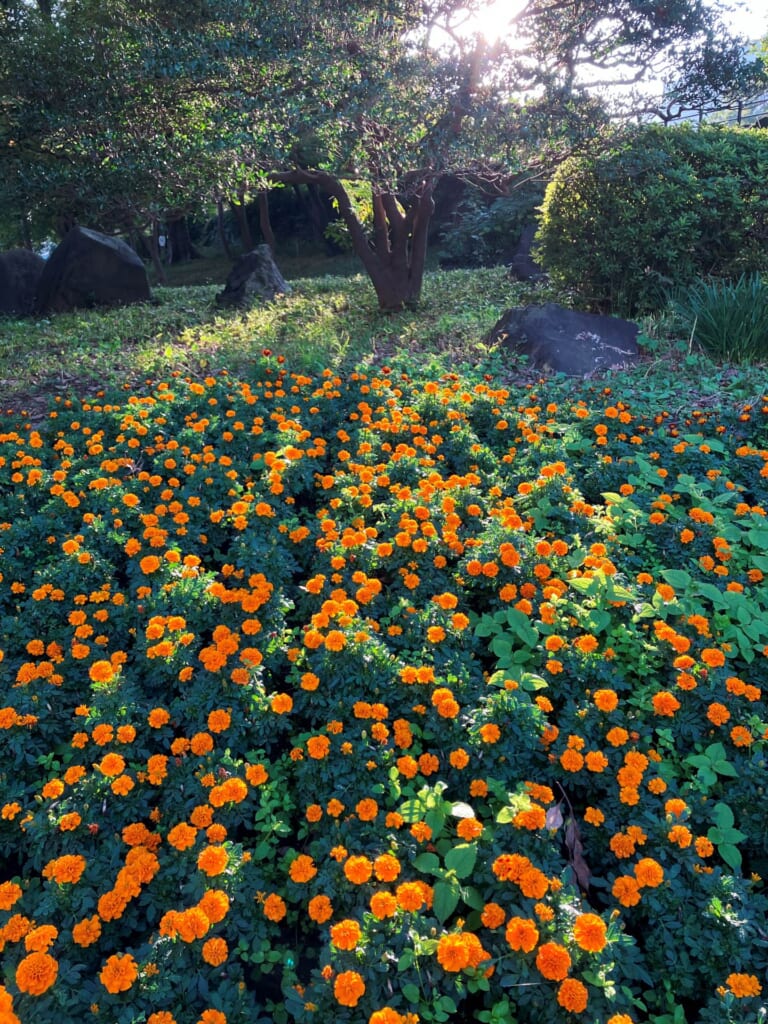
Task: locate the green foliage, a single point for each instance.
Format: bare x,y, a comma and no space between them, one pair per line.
471,661
652,208
729,319
117,113
486,232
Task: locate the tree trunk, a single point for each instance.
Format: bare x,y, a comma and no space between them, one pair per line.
154,248
394,259
178,242
264,222
242,222
222,229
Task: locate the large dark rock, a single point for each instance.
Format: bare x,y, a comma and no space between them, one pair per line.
567,341
254,277
20,271
91,269
522,266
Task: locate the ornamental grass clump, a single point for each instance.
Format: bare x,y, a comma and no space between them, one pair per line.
728,319
382,698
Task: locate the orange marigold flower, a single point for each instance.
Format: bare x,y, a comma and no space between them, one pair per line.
358,869
212,1017
626,891
215,951
182,836
741,737
10,893
410,896
383,904
68,868
470,828
521,934
386,867
617,736
594,816
348,988
214,904
87,931
490,733
212,860
346,934
572,760
712,657
119,973
572,995
101,672
219,720
704,847
665,703
605,700
302,868
675,806
320,909
743,985
533,883
274,907
680,835
589,932
158,717
41,938
367,809
493,915
111,765
649,873
553,961
36,973
318,747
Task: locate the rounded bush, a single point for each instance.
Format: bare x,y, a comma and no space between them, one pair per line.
653,208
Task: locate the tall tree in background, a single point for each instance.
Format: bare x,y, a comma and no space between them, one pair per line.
122,110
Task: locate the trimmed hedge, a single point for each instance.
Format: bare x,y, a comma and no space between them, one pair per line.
654,208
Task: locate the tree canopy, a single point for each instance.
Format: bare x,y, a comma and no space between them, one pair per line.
115,112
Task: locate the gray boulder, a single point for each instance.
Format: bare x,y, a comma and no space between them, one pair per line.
91,269
20,271
254,277
567,341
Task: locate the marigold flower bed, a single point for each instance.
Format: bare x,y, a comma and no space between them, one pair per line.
382,699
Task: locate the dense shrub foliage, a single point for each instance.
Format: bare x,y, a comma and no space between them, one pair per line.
656,207
485,232
382,699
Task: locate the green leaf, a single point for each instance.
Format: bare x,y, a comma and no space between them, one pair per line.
731,855
446,899
412,810
677,578
428,862
461,860
411,993
723,815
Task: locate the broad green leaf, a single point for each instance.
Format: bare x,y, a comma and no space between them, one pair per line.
446,899
461,860
428,862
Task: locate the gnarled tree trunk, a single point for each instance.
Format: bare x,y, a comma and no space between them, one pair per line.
394,257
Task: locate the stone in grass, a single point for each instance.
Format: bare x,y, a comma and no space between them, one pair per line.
20,271
254,277
567,341
90,269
